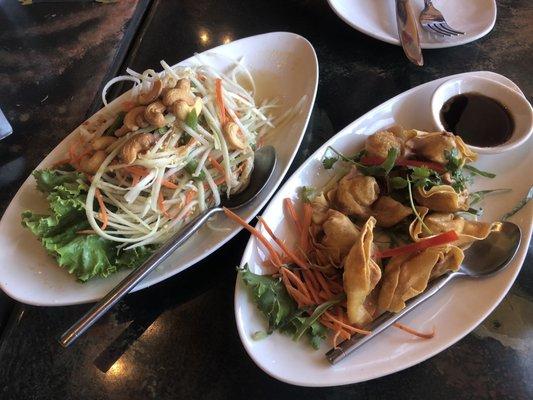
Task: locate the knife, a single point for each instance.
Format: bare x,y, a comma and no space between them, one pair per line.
5,128
408,32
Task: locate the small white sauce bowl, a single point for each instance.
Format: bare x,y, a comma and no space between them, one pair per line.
516,104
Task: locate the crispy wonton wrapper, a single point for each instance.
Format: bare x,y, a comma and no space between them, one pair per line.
361,274
334,238
388,212
379,144
434,145
442,198
320,208
468,231
355,194
407,276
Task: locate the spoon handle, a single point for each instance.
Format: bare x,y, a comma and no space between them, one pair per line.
136,276
384,321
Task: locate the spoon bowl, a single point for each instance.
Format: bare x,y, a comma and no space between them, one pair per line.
484,258
489,256
264,164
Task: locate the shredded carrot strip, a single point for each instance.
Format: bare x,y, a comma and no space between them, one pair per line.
161,206
220,101
345,325
136,170
135,180
312,287
336,338
295,280
297,260
220,180
103,211
322,283
299,297
217,165
309,276
415,332
335,327
189,196
335,286
292,213
76,158
256,233
170,185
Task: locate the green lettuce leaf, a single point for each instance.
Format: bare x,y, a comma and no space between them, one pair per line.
281,311
85,256
49,180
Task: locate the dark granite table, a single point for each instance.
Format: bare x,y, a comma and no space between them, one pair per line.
54,58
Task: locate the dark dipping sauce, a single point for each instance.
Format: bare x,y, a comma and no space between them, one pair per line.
480,120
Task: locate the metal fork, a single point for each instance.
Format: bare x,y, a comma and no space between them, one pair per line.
433,21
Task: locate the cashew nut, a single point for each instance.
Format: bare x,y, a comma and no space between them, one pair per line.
90,164
234,136
176,94
140,121
154,114
136,145
184,83
102,142
121,131
181,109
130,119
152,94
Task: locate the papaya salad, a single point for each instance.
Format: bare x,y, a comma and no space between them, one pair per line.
393,217
148,163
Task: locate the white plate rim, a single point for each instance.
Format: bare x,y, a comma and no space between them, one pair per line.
241,290
148,281
423,45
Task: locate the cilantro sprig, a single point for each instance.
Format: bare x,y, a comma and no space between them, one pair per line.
382,169
282,312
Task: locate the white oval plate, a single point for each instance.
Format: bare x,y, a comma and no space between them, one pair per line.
454,312
284,66
377,18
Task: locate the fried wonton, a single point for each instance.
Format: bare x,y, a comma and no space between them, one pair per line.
334,238
320,209
388,212
355,194
407,276
434,146
379,144
442,198
361,274
468,231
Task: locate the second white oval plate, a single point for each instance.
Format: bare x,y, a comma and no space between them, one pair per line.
454,312
377,18
284,65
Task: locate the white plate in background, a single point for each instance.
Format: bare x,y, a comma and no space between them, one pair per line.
454,312
377,18
284,65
